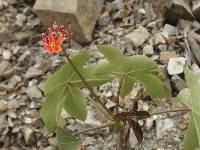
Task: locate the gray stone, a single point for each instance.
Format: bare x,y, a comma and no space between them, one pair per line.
33,92
89,141
168,124
15,79
150,11
163,127
104,19
148,50
20,19
138,37
4,66
33,72
178,9
81,14
1,5
168,30
22,37
178,83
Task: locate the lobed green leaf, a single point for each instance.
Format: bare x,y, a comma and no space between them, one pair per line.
191,98
134,69
66,141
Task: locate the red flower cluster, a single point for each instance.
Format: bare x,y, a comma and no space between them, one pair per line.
55,37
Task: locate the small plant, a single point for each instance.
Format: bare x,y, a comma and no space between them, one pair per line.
63,91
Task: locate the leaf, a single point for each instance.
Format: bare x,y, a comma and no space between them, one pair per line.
66,141
59,88
134,69
74,100
137,130
191,98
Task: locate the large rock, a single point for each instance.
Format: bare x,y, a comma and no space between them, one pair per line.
81,14
178,9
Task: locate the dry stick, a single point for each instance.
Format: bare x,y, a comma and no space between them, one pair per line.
118,93
95,128
171,110
86,84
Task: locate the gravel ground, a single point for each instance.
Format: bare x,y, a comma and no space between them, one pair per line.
25,66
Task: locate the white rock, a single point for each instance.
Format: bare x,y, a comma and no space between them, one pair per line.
90,119
168,30
109,94
7,54
175,65
27,120
168,124
138,37
148,50
110,104
142,11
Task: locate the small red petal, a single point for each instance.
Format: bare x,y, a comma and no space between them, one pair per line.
60,41
50,37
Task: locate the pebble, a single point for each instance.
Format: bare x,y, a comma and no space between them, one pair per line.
104,19
4,66
28,134
175,65
12,114
109,94
22,37
33,72
168,30
178,83
7,54
138,36
163,126
1,5
89,141
33,92
20,19
3,106
158,39
148,50
166,55
27,120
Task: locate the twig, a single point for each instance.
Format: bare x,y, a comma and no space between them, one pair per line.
187,50
171,110
118,93
95,128
86,84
